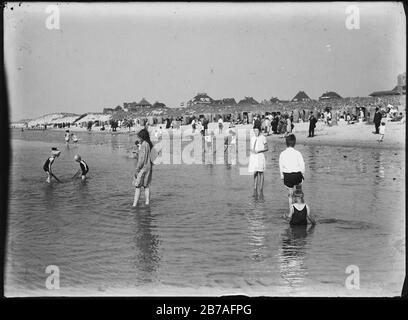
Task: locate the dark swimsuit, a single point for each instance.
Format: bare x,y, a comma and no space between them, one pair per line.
47,164
299,217
84,167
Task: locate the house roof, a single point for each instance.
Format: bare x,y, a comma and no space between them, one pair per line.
385,93
301,95
203,96
248,100
330,95
158,104
144,102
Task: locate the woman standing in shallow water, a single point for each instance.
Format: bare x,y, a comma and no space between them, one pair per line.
144,167
257,160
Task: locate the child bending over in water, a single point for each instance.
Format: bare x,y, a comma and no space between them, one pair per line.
48,163
299,213
83,170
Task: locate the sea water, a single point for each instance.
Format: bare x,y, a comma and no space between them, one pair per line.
204,232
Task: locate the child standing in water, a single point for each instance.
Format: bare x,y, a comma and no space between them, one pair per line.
48,163
382,132
291,166
257,160
144,167
83,170
299,213
67,137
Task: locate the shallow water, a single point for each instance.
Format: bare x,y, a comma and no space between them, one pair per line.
203,231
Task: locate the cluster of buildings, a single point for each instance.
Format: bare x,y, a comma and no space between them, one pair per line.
135,106
203,99
204,105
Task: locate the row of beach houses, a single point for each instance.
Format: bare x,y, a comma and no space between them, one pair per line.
202,105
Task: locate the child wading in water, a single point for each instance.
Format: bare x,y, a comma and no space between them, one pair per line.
299,213
83,170
67,137
291,166
48,163
144,167
257,160
382,132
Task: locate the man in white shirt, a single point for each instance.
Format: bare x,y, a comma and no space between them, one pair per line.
291,167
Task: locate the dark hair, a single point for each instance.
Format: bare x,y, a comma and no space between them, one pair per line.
291,140
144,135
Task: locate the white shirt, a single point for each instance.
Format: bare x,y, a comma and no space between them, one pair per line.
258,142
382,129
220,120
291,160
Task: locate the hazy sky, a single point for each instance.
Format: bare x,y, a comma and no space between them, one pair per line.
107,54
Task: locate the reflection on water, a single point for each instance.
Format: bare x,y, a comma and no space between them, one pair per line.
293,254
203,228
147,244
257,233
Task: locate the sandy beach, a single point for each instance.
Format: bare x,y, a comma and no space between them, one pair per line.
344,135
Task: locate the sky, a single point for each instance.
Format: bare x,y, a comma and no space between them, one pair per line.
105,54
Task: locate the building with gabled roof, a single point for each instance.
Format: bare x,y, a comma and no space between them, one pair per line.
201,98
329,95
301,96
248,101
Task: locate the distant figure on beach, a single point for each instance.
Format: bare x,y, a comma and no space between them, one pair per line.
144,167
204,126
361,115
312,125
48,164
257,160
291,166
377,120
193,125
83,167
289,125
382,132
348,118
67,137
220,124
299,213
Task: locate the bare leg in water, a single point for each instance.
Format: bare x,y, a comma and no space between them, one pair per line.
147,195
137,196
256,184
261,183
290,197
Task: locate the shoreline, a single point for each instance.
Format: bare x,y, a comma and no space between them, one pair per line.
358,135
